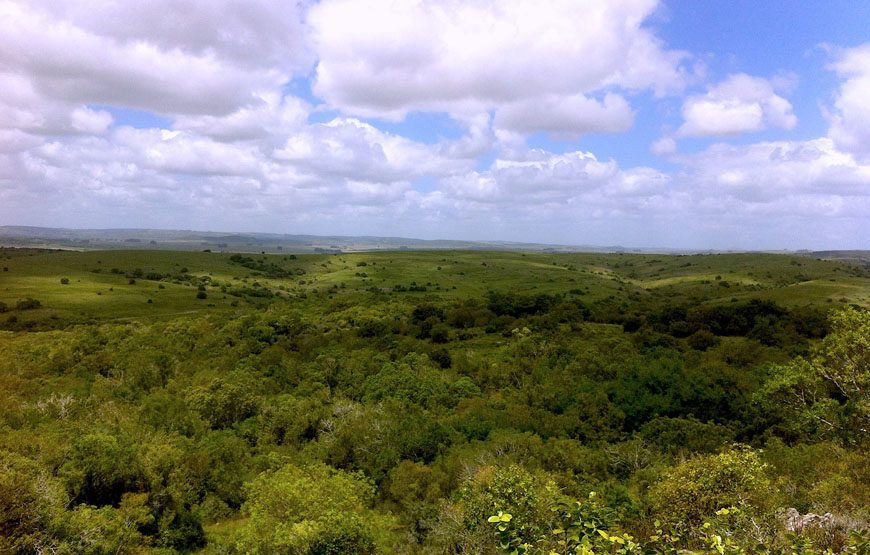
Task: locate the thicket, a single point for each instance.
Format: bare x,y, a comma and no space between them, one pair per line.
539,423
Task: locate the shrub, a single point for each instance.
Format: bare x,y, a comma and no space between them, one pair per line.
694,490
314,509
440,334
373,328
27,304
226,400
64,281
426,311
441,357
100,469
702,340
412,380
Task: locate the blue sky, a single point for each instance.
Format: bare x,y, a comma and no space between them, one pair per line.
643,123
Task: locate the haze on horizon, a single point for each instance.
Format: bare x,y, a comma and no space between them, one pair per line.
679,123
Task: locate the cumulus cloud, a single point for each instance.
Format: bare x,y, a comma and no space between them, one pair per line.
470,57
663,146
565,186
740,104
256,34
349,148
850,121
273,117
542,177
233,148
567,116
769,171
94,122
72,52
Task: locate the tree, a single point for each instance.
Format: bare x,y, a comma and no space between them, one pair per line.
829,393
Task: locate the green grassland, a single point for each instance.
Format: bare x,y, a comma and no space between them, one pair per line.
391,402
95,292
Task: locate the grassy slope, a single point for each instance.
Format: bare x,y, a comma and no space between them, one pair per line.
790,280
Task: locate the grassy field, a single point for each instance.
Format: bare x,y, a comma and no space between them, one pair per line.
102,284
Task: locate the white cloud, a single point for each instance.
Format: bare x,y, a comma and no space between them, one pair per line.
761,195
94,122
241,152
850,122
663,146
69,53
771,171
567,116
349,148
740,104
255,34
541,179
273,117
383,58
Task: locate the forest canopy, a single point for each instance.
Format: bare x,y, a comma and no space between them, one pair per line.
442,402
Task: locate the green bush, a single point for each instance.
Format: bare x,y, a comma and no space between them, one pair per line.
311,509
695,489
28,304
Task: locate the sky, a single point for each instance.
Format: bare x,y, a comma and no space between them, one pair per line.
696,124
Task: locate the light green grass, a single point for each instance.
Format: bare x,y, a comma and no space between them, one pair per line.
447,275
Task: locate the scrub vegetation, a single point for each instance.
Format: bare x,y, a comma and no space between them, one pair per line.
433,402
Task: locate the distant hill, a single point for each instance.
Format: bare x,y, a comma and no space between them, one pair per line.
859,256
90,239
188,240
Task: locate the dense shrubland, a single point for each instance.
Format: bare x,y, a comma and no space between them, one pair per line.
400,421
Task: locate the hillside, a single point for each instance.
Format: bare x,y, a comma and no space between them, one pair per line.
394,401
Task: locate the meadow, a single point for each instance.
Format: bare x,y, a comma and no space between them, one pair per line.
432,402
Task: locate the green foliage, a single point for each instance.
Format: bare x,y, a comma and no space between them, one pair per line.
702,340
226,400
829,394
412,380
528,495
399,408
574,527
27,304
698,487
686,435
512,304
100,468
311,510
30,499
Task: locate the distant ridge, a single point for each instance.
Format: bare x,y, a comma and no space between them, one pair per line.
89,239
166,239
